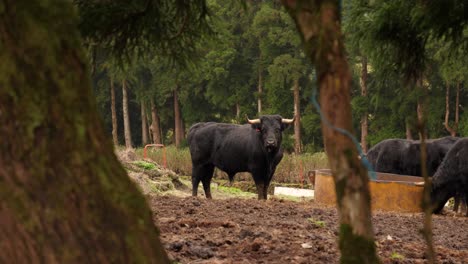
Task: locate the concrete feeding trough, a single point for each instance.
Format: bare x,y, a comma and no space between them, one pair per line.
389,192
296,192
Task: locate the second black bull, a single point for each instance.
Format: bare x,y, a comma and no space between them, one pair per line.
253,147
401,156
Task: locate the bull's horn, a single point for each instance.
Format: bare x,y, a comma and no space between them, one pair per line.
288,121
253,121
419,183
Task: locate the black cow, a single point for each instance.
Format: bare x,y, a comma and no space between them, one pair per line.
253,147
401,156
451,178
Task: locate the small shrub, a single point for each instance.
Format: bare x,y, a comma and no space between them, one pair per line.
317,223
145,165
397,256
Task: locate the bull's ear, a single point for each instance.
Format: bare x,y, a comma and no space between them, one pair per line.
257,127
284,126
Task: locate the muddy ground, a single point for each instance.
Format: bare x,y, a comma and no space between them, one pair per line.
244,230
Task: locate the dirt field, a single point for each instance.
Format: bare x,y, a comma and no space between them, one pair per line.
244,230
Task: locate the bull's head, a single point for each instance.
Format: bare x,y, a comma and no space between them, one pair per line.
270,128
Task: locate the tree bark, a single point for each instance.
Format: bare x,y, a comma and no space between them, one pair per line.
426,201
115,137
452,130
177,120
126,116
65,198
144,124
364,119
457,109
238,110
260,91
297,120
319,25
155,128
408,134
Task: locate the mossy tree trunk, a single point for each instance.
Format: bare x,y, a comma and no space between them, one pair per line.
64,197
155,128
144,124
297,120
115,137
126,116
426,201
178,126
319,25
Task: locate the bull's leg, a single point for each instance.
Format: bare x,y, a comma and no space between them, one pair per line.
265,191
196,175
206,180
260,184
260,190
464,203
456,203
201,173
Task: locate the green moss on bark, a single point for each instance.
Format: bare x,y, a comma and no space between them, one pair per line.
64,197
356,249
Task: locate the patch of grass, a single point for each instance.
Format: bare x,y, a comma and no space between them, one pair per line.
317,223
145,165
234,191
397,256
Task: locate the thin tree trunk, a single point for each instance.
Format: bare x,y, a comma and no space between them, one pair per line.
149,124
297,120
260,91
319,25
126,116
144,124
409,136
364,119
457,109
182,129
452,130
115,137
155,123
447,110
238,110
426,202
65,196
177,120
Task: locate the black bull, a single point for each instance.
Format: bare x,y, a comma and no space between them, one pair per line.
401,156
451,178
253,147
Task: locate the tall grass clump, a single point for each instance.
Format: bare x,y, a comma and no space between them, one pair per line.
177,160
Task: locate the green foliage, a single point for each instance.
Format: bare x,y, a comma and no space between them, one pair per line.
171,29
145,165
235,191
397,256
260,38
404,44
317,223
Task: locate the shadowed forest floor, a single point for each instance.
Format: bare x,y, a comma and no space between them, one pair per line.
245,230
